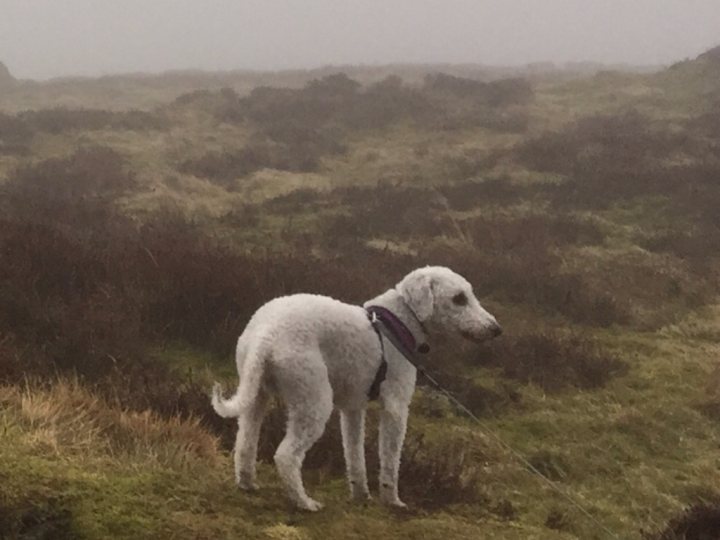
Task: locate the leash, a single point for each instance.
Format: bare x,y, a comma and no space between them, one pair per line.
383,331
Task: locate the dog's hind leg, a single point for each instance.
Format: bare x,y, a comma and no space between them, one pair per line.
352,424
246,443
309,402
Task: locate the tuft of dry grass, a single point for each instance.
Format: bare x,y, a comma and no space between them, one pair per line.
65,418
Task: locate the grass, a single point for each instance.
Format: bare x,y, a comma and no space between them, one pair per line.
633,453
70,474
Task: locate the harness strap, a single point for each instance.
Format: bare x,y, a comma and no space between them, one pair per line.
374,391
394,324
381,329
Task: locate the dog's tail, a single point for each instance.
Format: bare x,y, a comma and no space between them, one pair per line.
253,369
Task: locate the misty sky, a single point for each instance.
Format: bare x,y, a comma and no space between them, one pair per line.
46,38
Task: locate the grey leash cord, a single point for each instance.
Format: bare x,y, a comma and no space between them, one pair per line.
410,356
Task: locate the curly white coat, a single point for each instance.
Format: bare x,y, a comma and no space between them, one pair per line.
318,353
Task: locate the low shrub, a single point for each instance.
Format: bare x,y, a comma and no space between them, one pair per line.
375,212
95,172
301,154
15,135
534,231
479,399
36,514
518,260
472,194
442,472
698,522
552,361
462,87
550,464
225,167
624,142
507,92
707,124
61,119
500,93
462,103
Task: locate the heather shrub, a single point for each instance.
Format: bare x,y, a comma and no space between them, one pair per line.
443,472
507,92
616,143
15,135
287,149
462,103
61,119
37,514
332,102
94,172
443,83
225,167
375,212
464,168
707,124
531,232
471,194
518,260
699,521
552,361
500,93
387,102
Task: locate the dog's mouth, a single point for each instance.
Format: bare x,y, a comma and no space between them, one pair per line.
475,338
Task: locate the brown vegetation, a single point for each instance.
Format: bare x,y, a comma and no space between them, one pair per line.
698,522
553,361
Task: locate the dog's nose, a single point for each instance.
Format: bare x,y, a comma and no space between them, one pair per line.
497,330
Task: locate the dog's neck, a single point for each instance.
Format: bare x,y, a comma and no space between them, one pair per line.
393,300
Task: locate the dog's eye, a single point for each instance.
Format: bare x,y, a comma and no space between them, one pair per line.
460,299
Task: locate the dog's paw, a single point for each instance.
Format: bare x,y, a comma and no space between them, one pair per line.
397,504
247,484
389,496
392,500
310,505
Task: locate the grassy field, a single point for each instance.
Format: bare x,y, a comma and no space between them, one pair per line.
143,220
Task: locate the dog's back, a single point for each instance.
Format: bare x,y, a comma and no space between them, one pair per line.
303,328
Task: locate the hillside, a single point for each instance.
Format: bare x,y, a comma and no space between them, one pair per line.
6,78
148,90
138,241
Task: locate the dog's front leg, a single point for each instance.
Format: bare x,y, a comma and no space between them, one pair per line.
352,424
393,422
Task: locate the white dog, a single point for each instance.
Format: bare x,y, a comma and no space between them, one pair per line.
318,353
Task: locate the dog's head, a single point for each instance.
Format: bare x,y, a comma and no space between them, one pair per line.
444,299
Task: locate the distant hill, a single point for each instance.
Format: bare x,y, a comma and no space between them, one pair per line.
695,82
146,90
6,78
713,55
707,62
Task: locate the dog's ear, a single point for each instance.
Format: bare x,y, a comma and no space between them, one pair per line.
417,290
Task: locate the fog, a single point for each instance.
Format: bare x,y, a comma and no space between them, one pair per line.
47,38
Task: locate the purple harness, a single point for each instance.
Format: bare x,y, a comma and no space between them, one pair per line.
385,322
